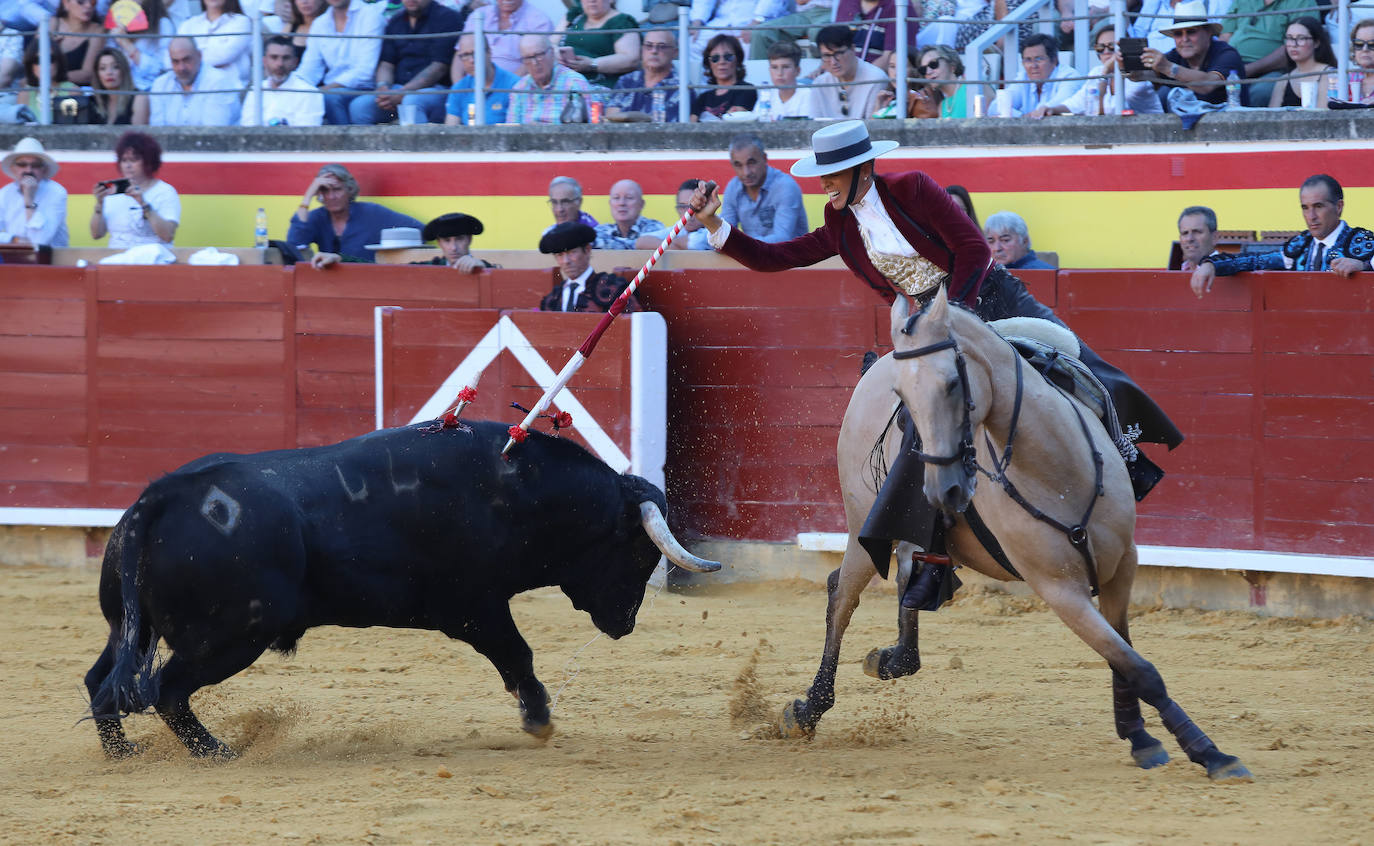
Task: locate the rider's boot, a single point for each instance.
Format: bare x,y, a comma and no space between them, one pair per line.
932,580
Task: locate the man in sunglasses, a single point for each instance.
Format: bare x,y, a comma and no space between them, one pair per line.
1199,60
1259,40
849,88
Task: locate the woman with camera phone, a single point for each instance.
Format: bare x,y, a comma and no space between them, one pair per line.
147,210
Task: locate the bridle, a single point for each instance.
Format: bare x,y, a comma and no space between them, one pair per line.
967,454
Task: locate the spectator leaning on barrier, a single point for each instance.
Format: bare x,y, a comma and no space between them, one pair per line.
629,229
341,224
787,99
1011,243
565,201
659,73
542,94
696,236
1258,37
146,210
224,36
413,73
193,93
112,73
600,56
461,106
1199,60
454,232
577,287
1329,244
501,21
849,88
1197,236
288,99
762,201
33,208
1048,83
337,64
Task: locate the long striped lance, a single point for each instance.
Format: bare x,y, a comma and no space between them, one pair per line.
584,352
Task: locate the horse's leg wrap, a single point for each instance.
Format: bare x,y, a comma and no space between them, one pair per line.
1126,706
1194,742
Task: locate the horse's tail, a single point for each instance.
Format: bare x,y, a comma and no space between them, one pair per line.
132,683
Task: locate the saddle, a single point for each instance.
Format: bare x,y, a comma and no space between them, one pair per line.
1053,350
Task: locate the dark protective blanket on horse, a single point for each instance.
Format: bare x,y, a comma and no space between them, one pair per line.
901,511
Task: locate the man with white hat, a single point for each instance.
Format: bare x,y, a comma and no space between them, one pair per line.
1199,60
903,234
33,208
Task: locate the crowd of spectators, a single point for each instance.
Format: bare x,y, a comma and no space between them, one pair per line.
189,62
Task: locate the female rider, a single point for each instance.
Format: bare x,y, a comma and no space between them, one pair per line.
903,233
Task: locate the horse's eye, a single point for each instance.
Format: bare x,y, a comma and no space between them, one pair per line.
952,387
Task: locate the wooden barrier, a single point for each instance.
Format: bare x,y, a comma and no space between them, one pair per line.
112,375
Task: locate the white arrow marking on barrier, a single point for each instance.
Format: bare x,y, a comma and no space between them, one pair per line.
505,335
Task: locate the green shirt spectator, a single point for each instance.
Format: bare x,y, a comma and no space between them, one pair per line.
1259,38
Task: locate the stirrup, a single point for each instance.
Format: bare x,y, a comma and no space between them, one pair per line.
931,558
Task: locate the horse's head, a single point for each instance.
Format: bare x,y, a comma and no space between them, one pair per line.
932,380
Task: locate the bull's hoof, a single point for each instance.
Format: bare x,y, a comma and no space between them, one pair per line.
213,751
892,662
1228,769
543,730
796,721
1149,757
121,750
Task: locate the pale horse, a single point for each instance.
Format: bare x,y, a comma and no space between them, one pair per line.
959,379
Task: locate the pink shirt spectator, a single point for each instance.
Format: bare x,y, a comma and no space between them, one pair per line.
505,49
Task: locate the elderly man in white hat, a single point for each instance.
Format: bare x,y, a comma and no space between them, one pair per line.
904,235
1199,60
33,208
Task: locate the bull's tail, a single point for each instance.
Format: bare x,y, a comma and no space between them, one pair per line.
132,683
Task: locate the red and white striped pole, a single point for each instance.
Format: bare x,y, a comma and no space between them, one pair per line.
584,352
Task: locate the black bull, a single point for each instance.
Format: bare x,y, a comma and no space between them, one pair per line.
232,555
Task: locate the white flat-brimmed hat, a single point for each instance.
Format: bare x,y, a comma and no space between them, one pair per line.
28,147
1190,13
398,238
840,146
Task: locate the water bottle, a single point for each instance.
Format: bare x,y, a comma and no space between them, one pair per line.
764,110
1094,105
260,230
1333,87
1232,91
1356,85
660,107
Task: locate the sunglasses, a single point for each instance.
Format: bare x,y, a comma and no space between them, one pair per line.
1104,48
1361,45
933,64
717,58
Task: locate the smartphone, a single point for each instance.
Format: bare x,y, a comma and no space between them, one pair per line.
1131,50
120,186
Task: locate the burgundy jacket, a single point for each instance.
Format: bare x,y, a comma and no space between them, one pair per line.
930,220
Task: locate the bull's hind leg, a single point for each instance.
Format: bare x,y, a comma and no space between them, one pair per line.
111,731
1073,604
1130,726
902,658
843,588
182,677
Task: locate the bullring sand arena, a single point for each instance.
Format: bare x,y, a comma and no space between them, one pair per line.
665,737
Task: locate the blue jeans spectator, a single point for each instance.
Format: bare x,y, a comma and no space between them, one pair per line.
337,106
424,106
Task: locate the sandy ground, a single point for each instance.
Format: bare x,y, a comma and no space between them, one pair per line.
377,736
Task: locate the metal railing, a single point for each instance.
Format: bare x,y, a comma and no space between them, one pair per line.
1043,13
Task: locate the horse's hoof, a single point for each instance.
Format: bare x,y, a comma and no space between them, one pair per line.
120,751
216,751
1149,757
892,663
793,726
543,731
1229,769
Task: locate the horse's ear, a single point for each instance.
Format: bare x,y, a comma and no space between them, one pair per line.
901,310
937,309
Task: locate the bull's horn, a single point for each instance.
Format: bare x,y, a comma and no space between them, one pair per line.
657,529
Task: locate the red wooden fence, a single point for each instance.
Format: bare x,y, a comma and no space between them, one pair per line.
110,376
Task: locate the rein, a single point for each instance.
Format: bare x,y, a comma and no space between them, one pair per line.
966,452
